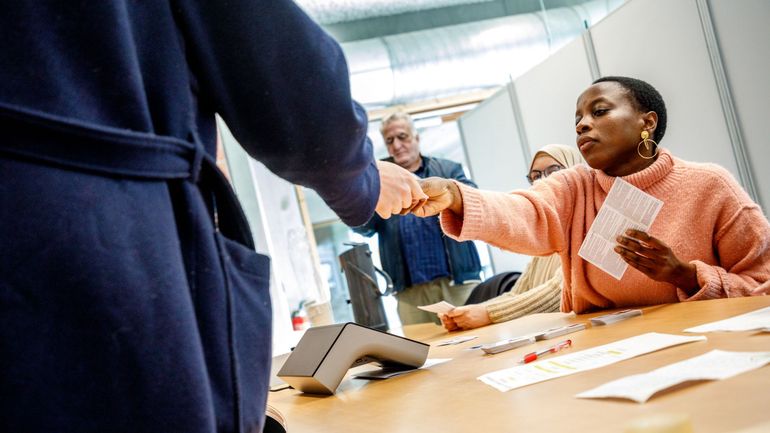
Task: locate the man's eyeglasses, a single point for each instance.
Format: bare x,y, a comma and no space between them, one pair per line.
538,174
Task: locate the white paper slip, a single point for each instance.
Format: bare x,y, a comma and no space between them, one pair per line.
503,345
626,207
386,372
755,320
617,316
439,307
456,340
714,365
584,360
559,331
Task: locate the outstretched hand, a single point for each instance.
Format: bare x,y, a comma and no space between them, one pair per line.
441,194
399,190
655,259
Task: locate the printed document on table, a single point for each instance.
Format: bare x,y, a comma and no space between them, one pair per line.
626,207
755,320
584,360
714,365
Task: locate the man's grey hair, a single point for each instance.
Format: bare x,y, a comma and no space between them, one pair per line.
395,117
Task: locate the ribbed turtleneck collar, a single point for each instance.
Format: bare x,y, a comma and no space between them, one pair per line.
642,179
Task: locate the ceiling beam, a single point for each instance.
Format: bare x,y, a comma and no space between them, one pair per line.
440,17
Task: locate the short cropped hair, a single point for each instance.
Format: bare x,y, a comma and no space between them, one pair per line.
395,117
645,98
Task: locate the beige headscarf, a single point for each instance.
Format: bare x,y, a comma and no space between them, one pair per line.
567,156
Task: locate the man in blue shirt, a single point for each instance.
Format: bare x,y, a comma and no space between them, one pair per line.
426,266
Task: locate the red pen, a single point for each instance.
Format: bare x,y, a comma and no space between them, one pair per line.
553,349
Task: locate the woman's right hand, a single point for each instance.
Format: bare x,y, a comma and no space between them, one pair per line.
442,194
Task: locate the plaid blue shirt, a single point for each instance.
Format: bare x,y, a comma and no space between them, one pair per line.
423,248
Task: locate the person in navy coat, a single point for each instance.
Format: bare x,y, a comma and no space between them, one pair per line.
131,298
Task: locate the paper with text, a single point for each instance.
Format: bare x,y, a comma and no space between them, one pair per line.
551,368
755,320
442,307
714,365
626,207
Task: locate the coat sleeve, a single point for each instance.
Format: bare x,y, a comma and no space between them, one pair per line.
370,228
281,85
543,298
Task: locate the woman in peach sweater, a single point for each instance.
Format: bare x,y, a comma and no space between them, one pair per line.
709,240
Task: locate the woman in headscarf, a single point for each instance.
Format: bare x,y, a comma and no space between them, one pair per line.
538,289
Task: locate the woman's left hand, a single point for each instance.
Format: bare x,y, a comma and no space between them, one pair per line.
655,259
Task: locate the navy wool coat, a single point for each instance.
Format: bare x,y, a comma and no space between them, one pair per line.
123,306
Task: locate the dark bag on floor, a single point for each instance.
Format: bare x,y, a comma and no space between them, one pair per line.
365,295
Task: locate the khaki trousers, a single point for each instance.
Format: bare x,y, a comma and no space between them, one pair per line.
430,293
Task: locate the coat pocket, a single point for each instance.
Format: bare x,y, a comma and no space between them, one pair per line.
248,280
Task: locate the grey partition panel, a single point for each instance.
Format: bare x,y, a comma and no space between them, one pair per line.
547,95
495,159
662,42
744,39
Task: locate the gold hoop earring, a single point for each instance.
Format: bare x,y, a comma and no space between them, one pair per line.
646,140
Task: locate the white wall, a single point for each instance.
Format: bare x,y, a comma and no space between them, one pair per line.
742,31
547,113
495,159
662,42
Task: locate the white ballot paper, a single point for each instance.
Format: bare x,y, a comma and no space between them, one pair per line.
456,340
386,373
626,207
755,320
714,365
438,308
584,360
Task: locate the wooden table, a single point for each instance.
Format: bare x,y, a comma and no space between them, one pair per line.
449,398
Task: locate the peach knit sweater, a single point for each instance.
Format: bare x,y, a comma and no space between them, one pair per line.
706,219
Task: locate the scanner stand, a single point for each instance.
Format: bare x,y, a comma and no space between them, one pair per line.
325,353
